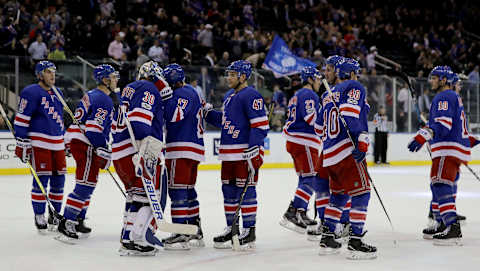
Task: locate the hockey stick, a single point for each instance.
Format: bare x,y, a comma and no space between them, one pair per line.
32,170
70,113
361,165
251,177
153,199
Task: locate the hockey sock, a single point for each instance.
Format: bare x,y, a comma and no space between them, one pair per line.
322,194
446,202
249,207
76,201
358,213
193,206
304,192
346,212
455,186
179,207
333,211
434,206
38,199
57,182
231,196
83,213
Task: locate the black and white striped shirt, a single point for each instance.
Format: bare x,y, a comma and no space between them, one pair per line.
380,122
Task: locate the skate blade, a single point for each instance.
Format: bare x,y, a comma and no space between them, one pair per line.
196,243
224,245
177,246
428,236
136,253
65,239
83,235
245,247
358,255
448,242
342,240
42,231
290,226
314,238
328,251
462,222
52,228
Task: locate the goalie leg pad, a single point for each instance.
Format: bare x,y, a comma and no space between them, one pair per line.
141,231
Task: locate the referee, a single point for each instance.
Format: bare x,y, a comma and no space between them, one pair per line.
381,136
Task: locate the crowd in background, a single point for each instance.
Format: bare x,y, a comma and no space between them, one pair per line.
418,34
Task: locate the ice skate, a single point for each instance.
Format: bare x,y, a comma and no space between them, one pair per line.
433,228
328,245
223,240
342,232
247,238
452,236
290,220
83,230
314,233
177,242
132,249
41,224
462,220
67,232
358,250
196,240
52,222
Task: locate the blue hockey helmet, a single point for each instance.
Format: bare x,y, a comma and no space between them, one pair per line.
240,67
443,72
345,66
173,73
103,71
309,72
333,60
455,79
149,69
43,65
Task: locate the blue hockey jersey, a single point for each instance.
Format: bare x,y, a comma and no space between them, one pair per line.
450,128
244,123
350,98
145,112
94,113
184,122
302,114
40,118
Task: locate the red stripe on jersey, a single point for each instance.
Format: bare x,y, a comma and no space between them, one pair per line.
258,124
17,118
54,141
358,216
349,109
249,209
117,149
74,130
230,208
451,148
316,140
38,197
333,212
321,202
231,150
337,151
310,119
191,149
449,123
446,208
94,126
194,211
139,114
55,197
303,195
78,205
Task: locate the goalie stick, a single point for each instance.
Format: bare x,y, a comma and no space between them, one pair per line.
236,216
153,199
32,170
70,113
361,164
420,117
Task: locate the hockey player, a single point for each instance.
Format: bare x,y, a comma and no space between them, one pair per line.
142,104
184,150
304,147
345,160
39,131
244,125
447,131
89,147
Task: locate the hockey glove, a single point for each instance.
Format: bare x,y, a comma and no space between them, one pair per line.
148,157
360,151
104,157
423,135
254,157
206,107
165,91
23,150
473,141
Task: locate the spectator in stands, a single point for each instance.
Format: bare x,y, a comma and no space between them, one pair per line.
156,52
371,58
107,8
225,60
198,88
115,49
210,58
403,99
56,53
473,76
141,59
205,36
38,49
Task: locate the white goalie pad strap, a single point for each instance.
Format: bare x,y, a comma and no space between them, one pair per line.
140,225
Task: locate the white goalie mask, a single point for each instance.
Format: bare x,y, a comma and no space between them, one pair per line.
150,69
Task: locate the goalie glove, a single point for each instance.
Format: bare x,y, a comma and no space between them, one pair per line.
23,150
254,157
147,158
360,151
422,136
103,158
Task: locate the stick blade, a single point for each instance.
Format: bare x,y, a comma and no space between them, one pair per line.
178,228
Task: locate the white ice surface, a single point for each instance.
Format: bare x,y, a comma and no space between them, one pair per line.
404,190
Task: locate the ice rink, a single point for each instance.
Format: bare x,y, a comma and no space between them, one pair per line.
405,192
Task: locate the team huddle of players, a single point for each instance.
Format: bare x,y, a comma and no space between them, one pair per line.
326,135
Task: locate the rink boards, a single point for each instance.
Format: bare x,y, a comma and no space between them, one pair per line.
276,155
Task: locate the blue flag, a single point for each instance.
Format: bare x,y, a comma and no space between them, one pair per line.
282,62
